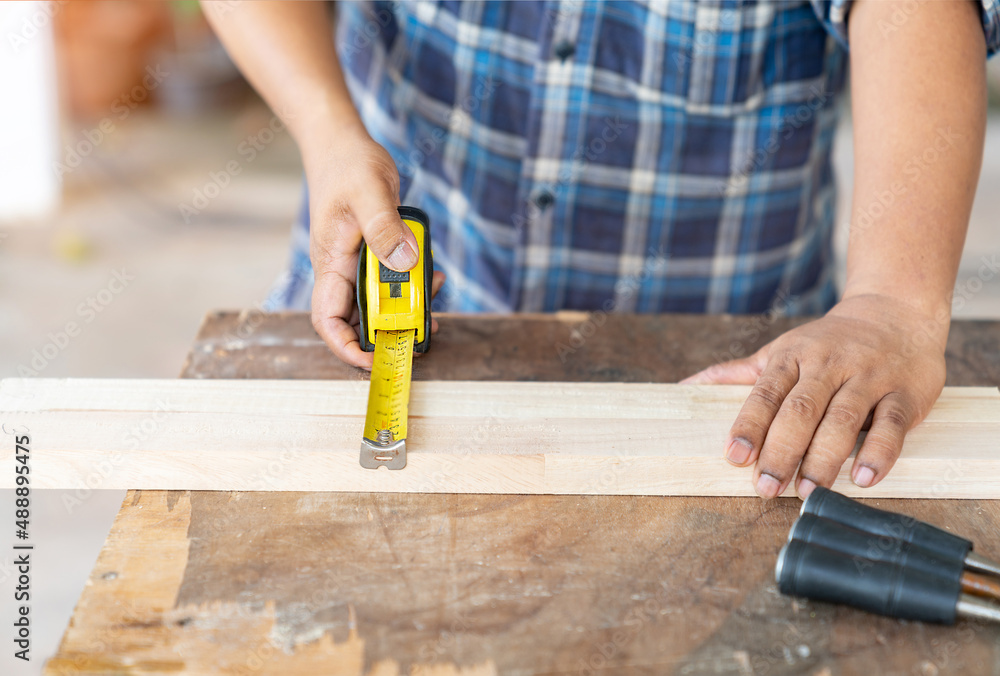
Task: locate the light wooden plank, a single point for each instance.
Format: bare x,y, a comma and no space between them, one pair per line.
560,438
654,401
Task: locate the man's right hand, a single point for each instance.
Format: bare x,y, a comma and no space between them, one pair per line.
286,51
353,195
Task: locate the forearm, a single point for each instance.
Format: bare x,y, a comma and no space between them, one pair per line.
285,49
919,104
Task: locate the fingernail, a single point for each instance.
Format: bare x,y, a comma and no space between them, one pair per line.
403,256
738,451
805,488
864,476
767,486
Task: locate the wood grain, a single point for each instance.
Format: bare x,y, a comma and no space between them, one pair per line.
564,347
465,437
298,584
535,584
153,627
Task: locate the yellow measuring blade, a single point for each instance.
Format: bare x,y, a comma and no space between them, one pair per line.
389,391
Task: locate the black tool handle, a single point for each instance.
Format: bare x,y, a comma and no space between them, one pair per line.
839,537
836,507
822,574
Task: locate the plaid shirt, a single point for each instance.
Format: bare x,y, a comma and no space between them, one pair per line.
624,156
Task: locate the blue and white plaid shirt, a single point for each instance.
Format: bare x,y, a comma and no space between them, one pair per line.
630,156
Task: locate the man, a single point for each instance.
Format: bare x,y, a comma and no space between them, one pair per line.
653,157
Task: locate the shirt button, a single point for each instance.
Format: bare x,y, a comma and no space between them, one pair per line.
565,49
544,199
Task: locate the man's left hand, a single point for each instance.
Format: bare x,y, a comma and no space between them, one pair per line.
872,360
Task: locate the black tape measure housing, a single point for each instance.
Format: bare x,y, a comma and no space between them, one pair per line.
393,278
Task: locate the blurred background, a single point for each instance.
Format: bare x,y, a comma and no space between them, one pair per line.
130,118
142,184
125,112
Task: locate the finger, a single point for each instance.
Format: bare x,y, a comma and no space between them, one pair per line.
385,233
891,421
835,438
437,281
791,432
332,300
746,437
735,372
334,253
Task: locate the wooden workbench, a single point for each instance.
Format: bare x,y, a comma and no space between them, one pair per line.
329,583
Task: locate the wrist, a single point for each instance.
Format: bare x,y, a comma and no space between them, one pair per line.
328,123
933,304
932,320
321,144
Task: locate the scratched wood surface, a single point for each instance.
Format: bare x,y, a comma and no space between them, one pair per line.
367,583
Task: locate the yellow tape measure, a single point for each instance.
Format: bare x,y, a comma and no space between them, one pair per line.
389,392
395,322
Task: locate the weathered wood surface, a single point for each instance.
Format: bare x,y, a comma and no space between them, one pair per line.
268,583
570,347
464,437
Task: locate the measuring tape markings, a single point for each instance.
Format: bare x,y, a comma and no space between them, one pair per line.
389,392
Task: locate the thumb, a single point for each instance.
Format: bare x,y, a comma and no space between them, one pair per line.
736,372
386,235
